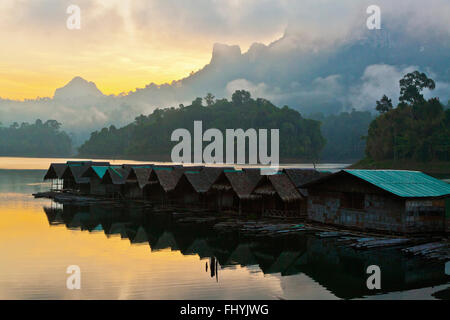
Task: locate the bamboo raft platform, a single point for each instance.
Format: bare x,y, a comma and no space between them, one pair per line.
435,250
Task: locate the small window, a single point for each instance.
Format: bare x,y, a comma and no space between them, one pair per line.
352,200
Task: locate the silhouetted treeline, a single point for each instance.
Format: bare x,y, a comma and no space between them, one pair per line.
345,135
37,139
150,135
417,129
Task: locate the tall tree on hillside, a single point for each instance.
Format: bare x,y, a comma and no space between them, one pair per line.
384,105
417,130
240,97
412,85
209,99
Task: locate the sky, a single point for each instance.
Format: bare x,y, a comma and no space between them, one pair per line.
121,45
125,44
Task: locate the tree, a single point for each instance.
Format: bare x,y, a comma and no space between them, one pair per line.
198,102
150,135
240,97
417,130
35,139
209,99
384,105
55,125
412,85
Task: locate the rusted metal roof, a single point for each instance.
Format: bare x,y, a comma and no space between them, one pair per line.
407,184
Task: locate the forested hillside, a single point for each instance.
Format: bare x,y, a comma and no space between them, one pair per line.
40,139
345,134
149,136
416,130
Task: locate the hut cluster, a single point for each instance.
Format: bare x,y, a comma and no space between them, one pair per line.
384,200
244,191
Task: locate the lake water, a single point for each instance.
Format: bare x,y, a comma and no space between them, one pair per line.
134,253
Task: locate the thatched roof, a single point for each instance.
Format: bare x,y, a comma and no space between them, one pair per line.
115,175
301,176
140,174
55,171
278,184
202,179
197,181
253,174
95,171
133,165
167,178
240,182
76,171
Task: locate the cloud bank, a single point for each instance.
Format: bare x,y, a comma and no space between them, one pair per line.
323,59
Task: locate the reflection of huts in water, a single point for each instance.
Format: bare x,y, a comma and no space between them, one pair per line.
136,180
299,177
242,255
342,270
114,181
165,241
140,236
54,215
232,191
279,197
192,187
385,200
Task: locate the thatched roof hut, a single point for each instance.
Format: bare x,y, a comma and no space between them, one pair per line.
140,175
201,181
55,171
168,177
277,184
241,183
115,175
74,172
301,176
95,172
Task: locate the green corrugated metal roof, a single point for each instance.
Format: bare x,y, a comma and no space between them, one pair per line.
115,171
162,168
408,184
100,171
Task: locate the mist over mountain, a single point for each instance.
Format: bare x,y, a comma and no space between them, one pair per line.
78,88
309,74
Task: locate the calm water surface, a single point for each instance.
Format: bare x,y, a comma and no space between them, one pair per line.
132,253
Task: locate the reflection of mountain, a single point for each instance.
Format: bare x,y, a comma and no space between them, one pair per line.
339,269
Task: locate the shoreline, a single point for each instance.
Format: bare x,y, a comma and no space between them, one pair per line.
42,163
